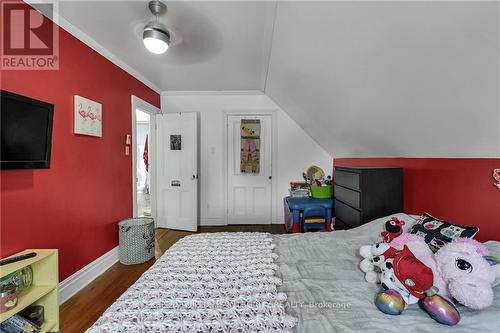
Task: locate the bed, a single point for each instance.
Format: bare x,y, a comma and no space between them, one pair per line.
284,283
328,293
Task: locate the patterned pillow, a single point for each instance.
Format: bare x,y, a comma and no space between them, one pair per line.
438,232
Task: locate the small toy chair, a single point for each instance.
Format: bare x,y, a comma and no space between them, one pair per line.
314,219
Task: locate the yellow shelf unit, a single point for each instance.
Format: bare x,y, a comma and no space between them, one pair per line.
48,326
44,290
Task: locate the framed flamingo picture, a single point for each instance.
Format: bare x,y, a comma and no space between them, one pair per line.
88,117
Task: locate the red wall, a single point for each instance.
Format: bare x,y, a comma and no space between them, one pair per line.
73,206
459,190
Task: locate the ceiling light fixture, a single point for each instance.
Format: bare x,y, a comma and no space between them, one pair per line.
155,35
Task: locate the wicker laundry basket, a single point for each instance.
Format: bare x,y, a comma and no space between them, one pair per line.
136,240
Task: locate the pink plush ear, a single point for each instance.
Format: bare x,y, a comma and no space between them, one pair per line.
495,265
492,260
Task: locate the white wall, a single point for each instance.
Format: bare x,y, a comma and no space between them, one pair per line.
398,78
295,149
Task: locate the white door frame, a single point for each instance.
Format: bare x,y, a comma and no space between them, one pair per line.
274,145
152,110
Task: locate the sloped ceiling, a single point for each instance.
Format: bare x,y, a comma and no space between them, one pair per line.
394,78
417,79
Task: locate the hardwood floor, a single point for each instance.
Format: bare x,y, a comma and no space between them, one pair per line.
84,308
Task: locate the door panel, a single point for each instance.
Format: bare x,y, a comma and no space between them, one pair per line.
249,195
177,171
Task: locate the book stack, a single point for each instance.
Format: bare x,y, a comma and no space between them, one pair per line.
299,189
18,324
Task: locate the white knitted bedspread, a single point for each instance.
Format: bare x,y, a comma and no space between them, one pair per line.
218,282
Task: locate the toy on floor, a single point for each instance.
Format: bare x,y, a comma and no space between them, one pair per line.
314,218
408,266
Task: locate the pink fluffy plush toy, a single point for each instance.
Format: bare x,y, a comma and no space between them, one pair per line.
466,273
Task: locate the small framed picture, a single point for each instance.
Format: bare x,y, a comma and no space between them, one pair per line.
175,142
87,117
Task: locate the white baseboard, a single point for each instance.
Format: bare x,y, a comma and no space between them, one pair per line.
220,221
278,220
87,274
212,221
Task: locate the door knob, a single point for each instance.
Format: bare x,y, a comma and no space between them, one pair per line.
270,177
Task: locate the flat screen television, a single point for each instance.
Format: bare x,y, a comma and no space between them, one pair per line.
25,133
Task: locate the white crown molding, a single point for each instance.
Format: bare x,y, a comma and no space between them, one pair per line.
209,92
87,274
93,44
89,41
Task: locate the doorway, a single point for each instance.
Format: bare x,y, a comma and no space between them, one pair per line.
143,158
249,168
143,178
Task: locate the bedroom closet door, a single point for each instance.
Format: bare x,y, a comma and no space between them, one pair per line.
249,178
177,152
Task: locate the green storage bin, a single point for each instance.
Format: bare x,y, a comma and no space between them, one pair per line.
321,192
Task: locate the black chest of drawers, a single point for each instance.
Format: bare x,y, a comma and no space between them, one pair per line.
363,194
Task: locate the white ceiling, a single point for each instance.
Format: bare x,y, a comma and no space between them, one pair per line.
225,45
410,79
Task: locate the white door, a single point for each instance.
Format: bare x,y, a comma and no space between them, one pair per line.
177,171
249,194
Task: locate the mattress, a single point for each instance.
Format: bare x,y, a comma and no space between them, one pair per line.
327,292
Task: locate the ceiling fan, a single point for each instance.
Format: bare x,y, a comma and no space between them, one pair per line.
156,36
